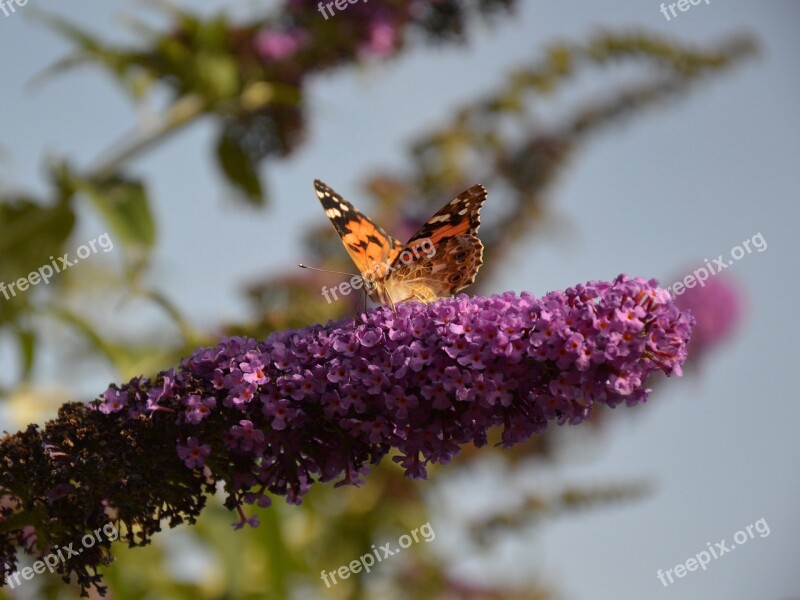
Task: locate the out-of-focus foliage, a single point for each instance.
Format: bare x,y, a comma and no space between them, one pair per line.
251,80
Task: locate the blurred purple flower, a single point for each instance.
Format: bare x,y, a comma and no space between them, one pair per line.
382,39
60,490
717,308
272,45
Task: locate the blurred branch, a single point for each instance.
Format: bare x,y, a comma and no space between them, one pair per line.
183,111
536,507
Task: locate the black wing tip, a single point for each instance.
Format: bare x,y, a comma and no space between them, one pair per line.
325,192
478,190
480,193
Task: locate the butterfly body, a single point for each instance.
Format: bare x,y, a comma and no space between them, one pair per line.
439,260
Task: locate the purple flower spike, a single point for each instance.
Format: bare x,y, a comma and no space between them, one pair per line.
323,402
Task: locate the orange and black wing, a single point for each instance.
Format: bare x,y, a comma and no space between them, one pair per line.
454,252
367,244
460,216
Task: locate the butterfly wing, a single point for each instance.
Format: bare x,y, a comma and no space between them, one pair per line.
448,250
370,247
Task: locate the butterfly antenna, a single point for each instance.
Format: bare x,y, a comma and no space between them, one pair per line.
302,266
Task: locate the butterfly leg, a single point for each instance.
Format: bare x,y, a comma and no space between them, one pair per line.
358,316
420,296
414,296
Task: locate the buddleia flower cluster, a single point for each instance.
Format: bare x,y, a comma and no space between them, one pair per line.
322,403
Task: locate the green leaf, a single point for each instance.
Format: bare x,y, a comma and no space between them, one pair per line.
26,339
80,37
124,205
30,234
217,74
272,539
190,336
116,356
214,33
89,48
239,167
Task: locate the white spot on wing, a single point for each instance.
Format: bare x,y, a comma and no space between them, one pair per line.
333,212
439,219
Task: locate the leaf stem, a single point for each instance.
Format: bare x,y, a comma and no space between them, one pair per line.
182,112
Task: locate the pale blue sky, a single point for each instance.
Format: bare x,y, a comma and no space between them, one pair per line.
684,183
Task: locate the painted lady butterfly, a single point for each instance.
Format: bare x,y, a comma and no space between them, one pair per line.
385,263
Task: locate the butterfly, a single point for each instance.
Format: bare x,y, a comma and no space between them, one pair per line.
441,259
